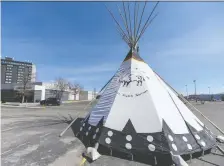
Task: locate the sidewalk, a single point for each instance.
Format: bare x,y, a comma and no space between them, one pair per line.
21,105
74,101
35,105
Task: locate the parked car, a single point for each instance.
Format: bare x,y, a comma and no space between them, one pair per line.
51,101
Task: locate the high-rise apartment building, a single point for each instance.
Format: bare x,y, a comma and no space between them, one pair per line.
17,71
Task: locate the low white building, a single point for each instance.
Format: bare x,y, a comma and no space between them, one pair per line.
85,95
40,91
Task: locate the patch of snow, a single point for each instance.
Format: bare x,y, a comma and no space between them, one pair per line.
71,158
68,140
15,157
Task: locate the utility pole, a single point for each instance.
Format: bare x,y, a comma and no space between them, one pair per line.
195,92
94,93
209,93
186,91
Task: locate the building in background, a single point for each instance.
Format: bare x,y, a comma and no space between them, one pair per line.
12,77
40,91
50,88
86,95
13,72
207,97
35,91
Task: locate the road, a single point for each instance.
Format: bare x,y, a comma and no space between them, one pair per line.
30,137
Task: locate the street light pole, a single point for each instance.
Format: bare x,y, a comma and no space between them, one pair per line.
209,93
186,91
195,93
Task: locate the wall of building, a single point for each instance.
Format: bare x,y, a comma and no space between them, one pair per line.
3,71
14,74
10,92
85,95
14,71
37,95
33,75
9,95
71,96
65,96
40,92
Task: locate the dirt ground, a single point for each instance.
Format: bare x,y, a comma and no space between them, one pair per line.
30,137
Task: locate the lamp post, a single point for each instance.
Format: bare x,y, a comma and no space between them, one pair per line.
209,93
195,92
186,91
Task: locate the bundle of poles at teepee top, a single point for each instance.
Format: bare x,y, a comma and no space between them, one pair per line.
132,30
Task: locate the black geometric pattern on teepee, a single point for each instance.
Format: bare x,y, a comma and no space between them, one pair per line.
129,128
194,141
142,147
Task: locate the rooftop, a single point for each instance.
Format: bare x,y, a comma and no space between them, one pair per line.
9,59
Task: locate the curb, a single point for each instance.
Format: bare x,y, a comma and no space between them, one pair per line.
12,106
76,101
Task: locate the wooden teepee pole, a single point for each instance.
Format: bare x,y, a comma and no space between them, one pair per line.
147,21
220,130
63,132
202,115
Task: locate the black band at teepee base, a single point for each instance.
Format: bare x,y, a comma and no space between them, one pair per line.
144,148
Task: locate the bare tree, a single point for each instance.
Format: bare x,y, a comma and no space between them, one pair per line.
60,86
76,88
24,89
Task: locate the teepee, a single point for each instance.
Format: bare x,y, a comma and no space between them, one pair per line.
138,116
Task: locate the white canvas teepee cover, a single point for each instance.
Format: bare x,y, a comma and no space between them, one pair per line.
138,94
138,113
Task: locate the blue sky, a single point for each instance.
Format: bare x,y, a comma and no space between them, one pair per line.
79,41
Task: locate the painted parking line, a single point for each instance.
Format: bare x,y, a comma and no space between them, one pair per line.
14,148
9,129
6,152
42,136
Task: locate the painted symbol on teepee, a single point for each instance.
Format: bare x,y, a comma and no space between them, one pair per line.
132,78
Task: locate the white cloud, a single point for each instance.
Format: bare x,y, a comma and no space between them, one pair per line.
105,67
198,54
203,43
82,74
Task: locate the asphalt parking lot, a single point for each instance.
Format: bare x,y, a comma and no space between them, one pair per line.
30,137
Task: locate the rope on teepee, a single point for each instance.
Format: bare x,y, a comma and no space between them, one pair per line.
220,130
203,115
